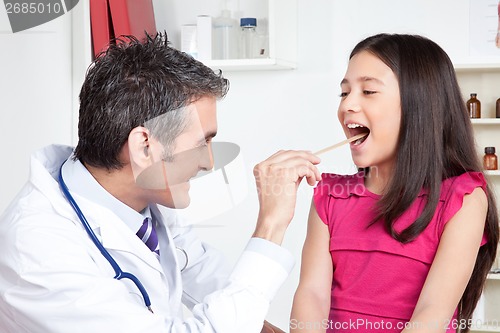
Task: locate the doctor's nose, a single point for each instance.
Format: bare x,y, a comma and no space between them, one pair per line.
207,158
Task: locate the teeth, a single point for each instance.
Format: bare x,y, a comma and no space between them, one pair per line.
354,125
358,141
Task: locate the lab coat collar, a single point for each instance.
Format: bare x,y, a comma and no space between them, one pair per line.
115,235
80,181
44,172
108,226
114,222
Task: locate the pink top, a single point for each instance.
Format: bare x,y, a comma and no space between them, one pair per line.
376,279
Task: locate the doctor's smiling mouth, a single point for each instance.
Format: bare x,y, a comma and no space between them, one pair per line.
226,180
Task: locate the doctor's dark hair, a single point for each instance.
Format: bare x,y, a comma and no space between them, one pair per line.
435,142
131,84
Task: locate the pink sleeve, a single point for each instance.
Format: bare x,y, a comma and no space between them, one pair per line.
454,192
321,198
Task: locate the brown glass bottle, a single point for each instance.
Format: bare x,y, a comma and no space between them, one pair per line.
490,160
498,108
474,106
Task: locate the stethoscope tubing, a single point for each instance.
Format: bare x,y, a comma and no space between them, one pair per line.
119,273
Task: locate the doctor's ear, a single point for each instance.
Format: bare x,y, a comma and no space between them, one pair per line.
140,145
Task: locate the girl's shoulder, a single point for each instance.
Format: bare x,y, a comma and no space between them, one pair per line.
454,189
462,184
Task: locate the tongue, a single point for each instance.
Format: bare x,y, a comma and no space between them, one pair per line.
360,140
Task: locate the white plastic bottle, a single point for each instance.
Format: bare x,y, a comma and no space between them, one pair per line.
225,37
248,38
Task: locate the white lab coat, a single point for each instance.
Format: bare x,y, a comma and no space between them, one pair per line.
54,279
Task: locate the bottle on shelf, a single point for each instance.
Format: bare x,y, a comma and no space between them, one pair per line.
204,37
225,36
490,160
474,106
263,39
248,34
498,108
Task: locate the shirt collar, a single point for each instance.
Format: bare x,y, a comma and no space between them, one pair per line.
146,213
348,185
79,181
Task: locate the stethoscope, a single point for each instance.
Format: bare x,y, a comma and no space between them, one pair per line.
119,273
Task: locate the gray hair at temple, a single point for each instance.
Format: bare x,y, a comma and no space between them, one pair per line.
132,84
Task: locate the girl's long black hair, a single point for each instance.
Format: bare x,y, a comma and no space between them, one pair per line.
436,142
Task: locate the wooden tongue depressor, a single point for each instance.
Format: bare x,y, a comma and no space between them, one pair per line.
341,143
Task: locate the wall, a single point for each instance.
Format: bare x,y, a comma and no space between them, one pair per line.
264,111
35,90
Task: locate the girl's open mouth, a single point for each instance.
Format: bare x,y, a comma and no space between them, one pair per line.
355,129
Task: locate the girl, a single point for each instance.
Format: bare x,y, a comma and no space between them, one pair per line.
405,244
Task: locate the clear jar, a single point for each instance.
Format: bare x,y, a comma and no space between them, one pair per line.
249,38
490,160
225,31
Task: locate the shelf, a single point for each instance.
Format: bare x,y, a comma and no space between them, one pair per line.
250,64
485,121
482,77
477,67
279,16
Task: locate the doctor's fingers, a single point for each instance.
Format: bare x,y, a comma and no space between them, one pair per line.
290,169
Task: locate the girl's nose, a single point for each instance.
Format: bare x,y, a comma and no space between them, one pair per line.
349,103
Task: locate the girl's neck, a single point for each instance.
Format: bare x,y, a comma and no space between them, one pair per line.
377,179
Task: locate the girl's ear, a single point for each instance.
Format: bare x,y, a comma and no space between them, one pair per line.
139,145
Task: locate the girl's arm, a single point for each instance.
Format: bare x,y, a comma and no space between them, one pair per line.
311,304
452,266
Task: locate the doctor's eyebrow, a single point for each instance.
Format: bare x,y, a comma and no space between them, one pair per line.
208,136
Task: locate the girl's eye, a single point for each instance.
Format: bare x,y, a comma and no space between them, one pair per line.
369,92
343,94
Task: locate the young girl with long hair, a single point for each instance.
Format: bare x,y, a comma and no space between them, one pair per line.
406,243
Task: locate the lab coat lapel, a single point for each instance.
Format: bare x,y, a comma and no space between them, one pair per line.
168,259
109,228
115,235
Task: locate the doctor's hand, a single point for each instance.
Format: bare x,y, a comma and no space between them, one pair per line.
278,179
269,328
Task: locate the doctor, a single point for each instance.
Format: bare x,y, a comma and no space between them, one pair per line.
147,118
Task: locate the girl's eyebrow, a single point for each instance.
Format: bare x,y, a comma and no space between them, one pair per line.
363,79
